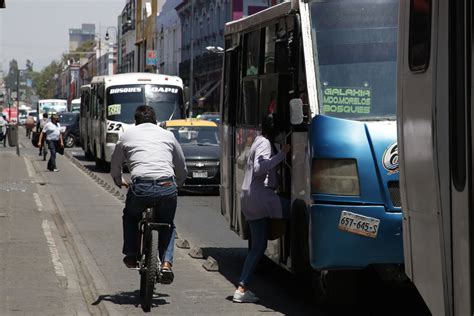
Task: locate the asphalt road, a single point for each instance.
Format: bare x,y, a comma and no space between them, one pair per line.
85,219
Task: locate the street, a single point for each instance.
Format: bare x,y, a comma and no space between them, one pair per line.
61,238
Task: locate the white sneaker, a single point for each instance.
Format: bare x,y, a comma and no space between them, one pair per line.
245,297
56,170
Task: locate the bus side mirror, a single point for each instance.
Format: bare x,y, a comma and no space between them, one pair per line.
296,111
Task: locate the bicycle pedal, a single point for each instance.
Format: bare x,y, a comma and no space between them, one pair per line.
166,277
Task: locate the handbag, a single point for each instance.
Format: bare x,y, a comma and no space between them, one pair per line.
35,138
276,228
59,148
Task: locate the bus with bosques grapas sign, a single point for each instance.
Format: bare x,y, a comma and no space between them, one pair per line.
108,106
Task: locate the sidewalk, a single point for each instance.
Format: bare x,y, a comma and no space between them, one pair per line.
32,276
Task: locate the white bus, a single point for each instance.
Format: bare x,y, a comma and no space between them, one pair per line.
435,137
52,105
110,109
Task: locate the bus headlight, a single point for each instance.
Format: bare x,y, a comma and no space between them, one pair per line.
335,176
111,138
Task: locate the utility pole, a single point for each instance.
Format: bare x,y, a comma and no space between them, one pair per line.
17,110
191,75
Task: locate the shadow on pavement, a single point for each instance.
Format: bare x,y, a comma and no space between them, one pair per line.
130,298
271,283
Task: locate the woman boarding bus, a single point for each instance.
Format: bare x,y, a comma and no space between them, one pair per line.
112,103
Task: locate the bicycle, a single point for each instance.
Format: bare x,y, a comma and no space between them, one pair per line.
149,263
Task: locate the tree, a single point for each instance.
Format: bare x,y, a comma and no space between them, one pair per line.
45,81
10,79
29,65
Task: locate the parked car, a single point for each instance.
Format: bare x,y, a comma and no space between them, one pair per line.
69,122
200,142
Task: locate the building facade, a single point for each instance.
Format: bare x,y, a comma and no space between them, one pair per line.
78,36
127,38
147,11
168,38
206,27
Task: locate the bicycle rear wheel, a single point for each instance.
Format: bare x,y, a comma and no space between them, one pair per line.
151,272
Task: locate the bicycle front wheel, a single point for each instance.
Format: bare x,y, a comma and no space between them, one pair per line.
151,272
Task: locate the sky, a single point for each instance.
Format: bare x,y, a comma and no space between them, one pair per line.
38,29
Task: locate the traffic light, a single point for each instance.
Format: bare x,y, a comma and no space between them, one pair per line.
2,4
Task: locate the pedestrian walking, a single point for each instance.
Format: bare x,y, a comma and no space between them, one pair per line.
260,202
3,130
29,125
39,127
157,166
54,140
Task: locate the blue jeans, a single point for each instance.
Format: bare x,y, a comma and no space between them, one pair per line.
52,159
259,241
150,194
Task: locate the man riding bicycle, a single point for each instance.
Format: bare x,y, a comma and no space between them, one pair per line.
157,166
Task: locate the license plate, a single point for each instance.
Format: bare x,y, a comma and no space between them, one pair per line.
359,224
200,174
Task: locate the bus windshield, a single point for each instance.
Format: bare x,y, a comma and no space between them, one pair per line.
167,101
356,54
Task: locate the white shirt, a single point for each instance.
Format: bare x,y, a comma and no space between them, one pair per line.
150,152
258,198
52,131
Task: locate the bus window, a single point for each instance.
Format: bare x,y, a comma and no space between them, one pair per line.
420,35
100,113
248,114
268,95
282,62
251,53
269,57
356,56
231,86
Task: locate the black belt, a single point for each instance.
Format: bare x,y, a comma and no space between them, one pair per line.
162,181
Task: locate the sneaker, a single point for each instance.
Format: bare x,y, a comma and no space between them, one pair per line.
130,261
166,276
55,170
245,297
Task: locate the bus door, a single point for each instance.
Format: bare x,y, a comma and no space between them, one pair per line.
101,120
229,97
84,113
245,133
435,143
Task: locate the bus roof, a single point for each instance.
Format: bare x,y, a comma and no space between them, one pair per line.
259,17
138,78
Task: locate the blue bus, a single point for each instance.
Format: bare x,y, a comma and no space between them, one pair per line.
328,72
